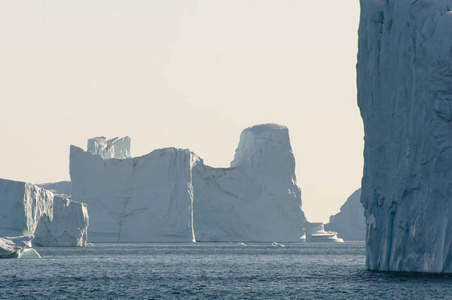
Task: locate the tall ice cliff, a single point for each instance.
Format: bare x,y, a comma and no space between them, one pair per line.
53,220
170,195
256,199
404,77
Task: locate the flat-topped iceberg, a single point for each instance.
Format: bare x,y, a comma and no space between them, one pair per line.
257,198
26,209
170,195
404,76
141,199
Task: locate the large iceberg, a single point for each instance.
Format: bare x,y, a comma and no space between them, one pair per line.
26,209
170,195
349,223
257,198
141,199
404,77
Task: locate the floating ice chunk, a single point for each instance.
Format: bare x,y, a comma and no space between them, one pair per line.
17,247
29,253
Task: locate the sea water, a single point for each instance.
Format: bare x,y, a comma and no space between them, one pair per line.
211,271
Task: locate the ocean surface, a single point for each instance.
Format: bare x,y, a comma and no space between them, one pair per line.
211,271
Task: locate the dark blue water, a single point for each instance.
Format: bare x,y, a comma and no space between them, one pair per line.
210,271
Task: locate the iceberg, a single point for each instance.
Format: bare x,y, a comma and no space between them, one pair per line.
349,223
141,199
404,79
26,209
256,199
170,195
17,247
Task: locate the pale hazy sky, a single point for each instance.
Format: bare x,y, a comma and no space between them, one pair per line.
188,74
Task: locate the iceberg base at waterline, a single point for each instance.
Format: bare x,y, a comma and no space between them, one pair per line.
17,247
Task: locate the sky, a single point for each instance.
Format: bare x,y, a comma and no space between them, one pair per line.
185,74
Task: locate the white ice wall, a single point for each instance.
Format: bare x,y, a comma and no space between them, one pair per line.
404,76
69,226
257,198
141,199
21,206
26,209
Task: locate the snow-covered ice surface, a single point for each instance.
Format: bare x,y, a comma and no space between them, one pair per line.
112,148
349,223
404,76
60,188
141,199
26,209
257,198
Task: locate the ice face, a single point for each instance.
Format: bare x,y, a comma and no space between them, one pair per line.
257,198
21,207
113,148
26,209
169,195
141,199
404,76
350,223
68,227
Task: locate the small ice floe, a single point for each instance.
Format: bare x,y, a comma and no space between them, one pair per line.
29,253
275,244
17,247
241,244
